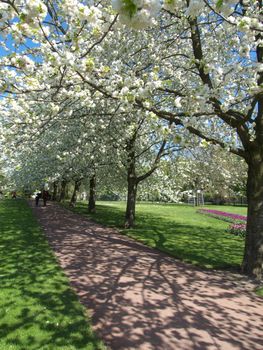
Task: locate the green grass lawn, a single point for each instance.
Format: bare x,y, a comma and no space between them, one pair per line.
38,310
177,230
259,291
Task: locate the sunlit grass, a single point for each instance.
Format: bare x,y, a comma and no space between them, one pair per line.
177,230
259,291
38,310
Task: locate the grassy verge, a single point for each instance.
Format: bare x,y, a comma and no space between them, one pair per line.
38,310
177,230
259,291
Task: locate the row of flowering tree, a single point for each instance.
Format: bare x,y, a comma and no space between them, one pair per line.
194,65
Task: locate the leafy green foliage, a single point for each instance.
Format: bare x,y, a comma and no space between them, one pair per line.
38,310
177,230
219,4
130,7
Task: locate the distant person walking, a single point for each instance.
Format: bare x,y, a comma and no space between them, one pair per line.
14,194
45,196
38,196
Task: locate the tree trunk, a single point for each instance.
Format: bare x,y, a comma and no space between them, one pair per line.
74,194
63,190
131,202
55,191
132,178
92,195
253,255
132,184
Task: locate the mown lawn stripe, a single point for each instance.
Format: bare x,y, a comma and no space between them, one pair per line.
38,309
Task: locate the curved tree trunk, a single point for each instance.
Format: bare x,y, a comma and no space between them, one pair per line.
55,191
74,194
63,190
92,195
253,256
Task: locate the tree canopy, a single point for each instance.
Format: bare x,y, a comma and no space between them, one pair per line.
77,75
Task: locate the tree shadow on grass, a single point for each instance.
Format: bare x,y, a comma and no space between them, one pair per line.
38,308
205,246
109,216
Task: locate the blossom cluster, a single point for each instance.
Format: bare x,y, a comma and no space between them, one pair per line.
137,14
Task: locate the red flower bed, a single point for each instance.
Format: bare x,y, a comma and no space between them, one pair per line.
222,215
237,228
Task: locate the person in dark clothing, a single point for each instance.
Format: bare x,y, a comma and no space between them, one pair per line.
38,196
45,197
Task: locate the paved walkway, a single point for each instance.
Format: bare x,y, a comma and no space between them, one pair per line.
141,299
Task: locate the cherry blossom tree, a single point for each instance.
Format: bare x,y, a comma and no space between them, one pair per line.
211,77
196,64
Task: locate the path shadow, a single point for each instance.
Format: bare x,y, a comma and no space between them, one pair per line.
142,299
